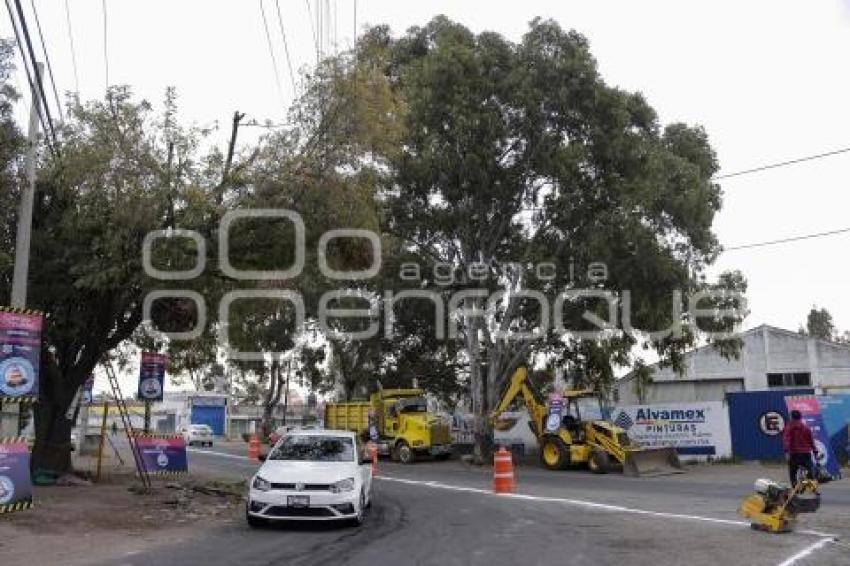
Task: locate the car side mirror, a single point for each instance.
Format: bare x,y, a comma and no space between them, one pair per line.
365,460
262,457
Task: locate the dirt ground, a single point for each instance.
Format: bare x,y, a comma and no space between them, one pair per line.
73,525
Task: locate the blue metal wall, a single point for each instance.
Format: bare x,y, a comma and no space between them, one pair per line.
210,416
750,418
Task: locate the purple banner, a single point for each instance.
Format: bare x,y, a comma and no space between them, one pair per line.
152,376
20,352
15,485
163,454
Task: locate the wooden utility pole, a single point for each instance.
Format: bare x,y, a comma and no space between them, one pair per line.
102,438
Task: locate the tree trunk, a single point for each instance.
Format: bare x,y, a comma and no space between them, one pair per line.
272,398
52,449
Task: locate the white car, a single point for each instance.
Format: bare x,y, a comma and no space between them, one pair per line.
313,475
200,434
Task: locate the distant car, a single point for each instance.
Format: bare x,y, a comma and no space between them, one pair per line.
199,434
312,475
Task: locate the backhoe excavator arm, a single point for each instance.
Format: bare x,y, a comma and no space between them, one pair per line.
520,385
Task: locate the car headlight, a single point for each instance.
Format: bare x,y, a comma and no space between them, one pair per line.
343,485
261,484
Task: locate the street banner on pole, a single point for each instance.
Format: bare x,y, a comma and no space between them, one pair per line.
810,410
152,376
15,485
163,454
556,409
20,353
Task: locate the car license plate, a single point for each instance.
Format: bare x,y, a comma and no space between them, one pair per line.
298,500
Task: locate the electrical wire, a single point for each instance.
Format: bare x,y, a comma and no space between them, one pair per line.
73,50
35,82
47,60
312,28
782,164
271,52
285,47
105,44
788,240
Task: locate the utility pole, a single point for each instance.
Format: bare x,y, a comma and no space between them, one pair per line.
22,242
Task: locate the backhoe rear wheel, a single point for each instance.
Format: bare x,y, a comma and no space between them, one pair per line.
599,462
554,453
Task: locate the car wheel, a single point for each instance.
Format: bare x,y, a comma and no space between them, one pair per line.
361,511
254,522
405,453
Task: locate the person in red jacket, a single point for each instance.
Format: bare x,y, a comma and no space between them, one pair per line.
799,446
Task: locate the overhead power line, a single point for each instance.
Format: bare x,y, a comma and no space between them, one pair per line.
33,76
782,164
73,50
105,44
271,53
285,47
313,29
789,239
47,60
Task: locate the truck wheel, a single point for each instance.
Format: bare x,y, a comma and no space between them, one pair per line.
554,454
404,453
599,462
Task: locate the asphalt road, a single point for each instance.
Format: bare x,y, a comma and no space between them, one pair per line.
443,513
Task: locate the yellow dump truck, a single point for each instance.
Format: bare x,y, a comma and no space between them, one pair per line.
404,428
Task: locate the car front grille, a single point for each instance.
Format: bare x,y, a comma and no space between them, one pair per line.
282,511
307,486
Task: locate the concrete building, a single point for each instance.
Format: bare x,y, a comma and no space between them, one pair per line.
771,358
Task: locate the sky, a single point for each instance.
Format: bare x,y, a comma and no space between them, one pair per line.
768,80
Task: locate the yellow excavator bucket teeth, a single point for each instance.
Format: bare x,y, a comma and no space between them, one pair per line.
652,462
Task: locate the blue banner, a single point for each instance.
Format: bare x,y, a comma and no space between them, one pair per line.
556,411
15,485
20,353
163,454
152,376
810,410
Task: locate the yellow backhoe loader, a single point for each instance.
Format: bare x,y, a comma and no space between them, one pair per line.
566,439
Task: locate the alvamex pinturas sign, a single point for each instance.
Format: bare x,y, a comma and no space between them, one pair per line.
699,430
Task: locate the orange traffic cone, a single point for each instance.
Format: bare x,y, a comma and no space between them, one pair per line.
254,448
372,450
503,472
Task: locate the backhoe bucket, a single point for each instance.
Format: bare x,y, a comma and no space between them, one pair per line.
652,462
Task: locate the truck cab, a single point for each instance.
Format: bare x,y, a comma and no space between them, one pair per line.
406,428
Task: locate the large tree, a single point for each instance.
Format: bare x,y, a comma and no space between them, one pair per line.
123,172
530,177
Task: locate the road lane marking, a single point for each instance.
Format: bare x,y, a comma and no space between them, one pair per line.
588,504
222,454
824,538
806,552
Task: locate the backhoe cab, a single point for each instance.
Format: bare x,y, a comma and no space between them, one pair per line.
571,431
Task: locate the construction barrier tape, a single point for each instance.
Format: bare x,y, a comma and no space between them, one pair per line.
16,310
19,506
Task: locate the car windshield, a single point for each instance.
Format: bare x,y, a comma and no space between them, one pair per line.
314,448
412,405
